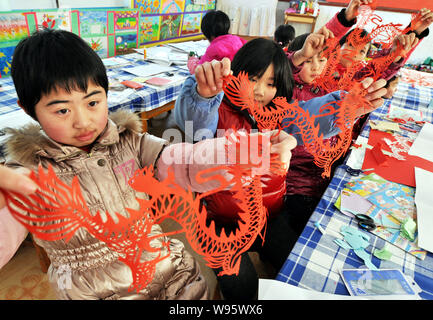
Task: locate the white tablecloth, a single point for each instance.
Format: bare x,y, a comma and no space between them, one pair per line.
250,17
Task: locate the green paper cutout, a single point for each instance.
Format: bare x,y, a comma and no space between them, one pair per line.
382,254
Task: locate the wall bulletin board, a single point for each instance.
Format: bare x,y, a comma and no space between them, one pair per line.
109,32
390,5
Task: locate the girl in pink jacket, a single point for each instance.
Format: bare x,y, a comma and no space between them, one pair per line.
215,26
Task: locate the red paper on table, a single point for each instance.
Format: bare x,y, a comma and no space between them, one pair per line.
400,171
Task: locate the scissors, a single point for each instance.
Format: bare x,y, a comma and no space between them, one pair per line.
356,172
367,223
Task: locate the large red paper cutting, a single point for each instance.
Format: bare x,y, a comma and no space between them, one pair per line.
58,210
400,171
284,114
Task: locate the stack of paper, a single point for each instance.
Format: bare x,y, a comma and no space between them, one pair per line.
148,70
199,47
424,206
115,62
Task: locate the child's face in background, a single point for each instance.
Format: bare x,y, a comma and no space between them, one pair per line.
356,54
392,88
76,118
312,68
264,87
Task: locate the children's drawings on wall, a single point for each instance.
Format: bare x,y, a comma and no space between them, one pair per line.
124,42
5,61
108,32
13,27
172,6
149,29
126,20
191,6
54,20
93,23
170,25
191,23
147,6
98,44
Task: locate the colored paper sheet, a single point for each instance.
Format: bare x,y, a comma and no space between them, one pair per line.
397,170
423,145
392,205
424,204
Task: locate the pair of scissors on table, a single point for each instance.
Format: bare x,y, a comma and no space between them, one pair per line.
367,223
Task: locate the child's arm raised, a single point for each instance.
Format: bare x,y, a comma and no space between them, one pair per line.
425,21
352,8
210,75
314,43
200,98
12,233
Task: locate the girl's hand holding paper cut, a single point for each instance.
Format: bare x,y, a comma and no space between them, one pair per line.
210,75
375,92
281,144
315,43
406,42
17,181
352,8
425,21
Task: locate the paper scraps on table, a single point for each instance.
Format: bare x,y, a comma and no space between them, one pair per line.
391,205
358,241
384,126
382,254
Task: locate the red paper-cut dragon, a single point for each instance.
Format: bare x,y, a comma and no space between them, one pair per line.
56,211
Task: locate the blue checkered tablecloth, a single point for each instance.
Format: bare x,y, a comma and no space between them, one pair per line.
316,260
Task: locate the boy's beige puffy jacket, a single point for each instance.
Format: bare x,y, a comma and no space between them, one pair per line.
95,270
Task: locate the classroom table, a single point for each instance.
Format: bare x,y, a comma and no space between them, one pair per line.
316,260
149,101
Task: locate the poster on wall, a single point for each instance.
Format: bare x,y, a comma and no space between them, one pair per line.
191,6
13,27
191,24
146,6
59,19
169,27
149,27
93,23
126,29
98,44
126,20
5,61
172,6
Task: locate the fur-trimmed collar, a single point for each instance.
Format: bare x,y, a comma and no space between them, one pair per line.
25,145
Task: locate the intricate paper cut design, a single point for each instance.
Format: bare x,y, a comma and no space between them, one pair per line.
335,77
58,210
239,91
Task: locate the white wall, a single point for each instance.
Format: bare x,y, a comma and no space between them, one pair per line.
51,4
423,51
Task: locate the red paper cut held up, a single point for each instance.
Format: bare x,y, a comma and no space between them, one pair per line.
400,171
239,91
58,210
